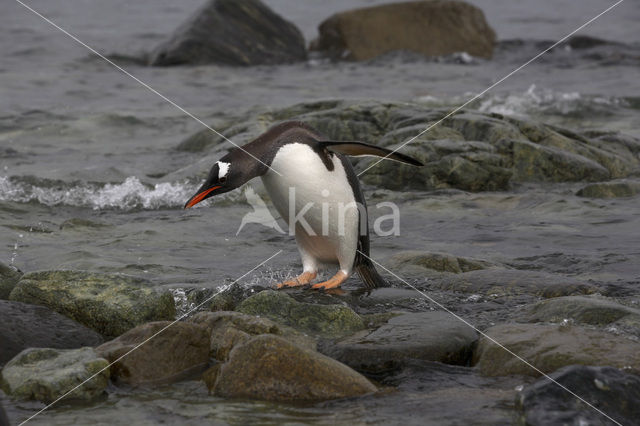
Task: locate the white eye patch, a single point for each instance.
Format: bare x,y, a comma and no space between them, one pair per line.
223,169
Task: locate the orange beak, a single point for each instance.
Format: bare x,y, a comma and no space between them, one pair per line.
200,196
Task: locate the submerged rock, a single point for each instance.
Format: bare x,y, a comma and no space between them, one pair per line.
513,282
28,326
9,277
470,150
613,189
613,391
228,329
268,367
442,262
429,336
47,374
550,347
167,356
432,28
108,303
232,32
323,320
581,309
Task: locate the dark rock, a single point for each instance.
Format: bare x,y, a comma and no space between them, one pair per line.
442,262
9,277
108,303
512,282
323,320
614,392
429,336
581,309
613,189
228,329
268,367
232,32
47,374
550,347
167,356
432,28
27,326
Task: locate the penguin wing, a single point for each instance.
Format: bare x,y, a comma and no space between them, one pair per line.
359,149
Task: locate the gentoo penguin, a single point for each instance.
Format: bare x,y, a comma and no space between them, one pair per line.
315,189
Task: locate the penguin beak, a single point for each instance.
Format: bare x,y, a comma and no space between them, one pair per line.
200,195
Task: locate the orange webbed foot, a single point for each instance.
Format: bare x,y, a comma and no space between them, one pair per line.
333,282
302,279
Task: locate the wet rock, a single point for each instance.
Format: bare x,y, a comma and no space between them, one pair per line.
581,309
170,355
511,282
81,224
228,329
613,189
430,336
46,374
232,32
441,262
9,277
108,303
323,320
614,392
550,347
470,150
268,367
433,28
28,326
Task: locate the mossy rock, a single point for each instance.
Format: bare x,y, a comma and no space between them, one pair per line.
9,277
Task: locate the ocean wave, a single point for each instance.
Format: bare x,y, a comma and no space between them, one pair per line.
128,195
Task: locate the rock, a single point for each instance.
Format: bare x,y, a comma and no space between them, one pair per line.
432,28
613,189
614,392
323,320
108,303
9,277
25,326
513,282
470,151
228,329
429,336
232,32
441,262
268,367
581,309
167,356
46,374
550,347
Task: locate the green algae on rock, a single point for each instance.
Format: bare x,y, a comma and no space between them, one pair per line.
45,374
550,347
614,189
9,277
108,303
323,320
268,367
441,262
165,357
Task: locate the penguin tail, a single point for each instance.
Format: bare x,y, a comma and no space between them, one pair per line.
370,275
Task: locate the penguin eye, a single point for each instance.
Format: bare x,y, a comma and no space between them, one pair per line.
223,179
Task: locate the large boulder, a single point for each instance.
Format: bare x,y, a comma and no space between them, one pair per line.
550,347
268,367
429,336
592,310
614,189
232,32
158,352
9,277
46,374
32,326
418,260
322,320
432,28
228,329
108,303
616,393
470,150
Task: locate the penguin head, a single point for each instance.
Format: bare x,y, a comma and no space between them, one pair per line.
222,178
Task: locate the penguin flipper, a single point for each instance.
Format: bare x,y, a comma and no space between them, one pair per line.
358,149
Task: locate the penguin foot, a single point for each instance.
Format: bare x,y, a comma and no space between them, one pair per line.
333,282
302,279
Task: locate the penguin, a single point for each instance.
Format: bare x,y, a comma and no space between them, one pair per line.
314,187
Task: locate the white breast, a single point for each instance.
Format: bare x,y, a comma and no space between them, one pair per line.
325,194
